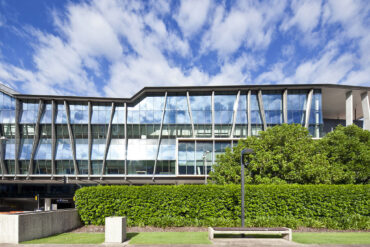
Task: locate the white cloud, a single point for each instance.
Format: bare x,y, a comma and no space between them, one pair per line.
306,15
192,15
249,25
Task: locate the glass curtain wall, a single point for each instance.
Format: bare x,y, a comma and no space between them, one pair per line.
201,107
224,111
273,106
241,121
194,156
7,118
296,106
115,162
143,129
256,120
63,154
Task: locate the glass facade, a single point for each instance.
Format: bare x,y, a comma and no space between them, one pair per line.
159,134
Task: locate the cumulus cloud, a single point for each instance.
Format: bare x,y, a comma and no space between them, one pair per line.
116,47
192,15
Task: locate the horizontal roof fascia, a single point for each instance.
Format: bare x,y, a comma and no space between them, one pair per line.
155,90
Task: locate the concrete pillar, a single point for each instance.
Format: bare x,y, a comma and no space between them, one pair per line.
365,110
349,108
47,204
115,229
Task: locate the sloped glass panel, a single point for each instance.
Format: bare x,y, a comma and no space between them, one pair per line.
43,152
272,103
26,149
116,150
63,150
82,149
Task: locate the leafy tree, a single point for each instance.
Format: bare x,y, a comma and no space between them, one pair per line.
283,154
349,148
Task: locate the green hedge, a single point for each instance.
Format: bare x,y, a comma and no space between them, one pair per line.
331,206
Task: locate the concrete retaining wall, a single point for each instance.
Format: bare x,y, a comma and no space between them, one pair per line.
27,226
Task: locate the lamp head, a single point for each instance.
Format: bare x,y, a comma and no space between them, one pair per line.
247,151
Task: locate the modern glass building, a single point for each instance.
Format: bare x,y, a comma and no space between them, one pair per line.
161,135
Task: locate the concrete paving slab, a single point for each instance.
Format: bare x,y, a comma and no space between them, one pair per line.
215,243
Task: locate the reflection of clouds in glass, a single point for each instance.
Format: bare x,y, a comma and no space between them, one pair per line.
98,147
223,117
316,113
200,103
82,149
6,102
224,102
101,114
43,152
167,152
242,104
26,149
241,117
141,149
116,150
10,149
7,116
119,115
63,150
61,114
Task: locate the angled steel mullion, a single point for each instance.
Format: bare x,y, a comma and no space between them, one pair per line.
213,113
308,108
190,113
2,155
365,110
89,136
249,113
53,137
285,106
36,138
126,141
107,140
71,138
160,135
18,111
236,105
262,110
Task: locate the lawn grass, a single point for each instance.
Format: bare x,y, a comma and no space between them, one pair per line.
135,238
70,238
171,238
332,237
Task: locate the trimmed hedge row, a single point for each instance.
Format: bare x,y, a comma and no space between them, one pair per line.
331,206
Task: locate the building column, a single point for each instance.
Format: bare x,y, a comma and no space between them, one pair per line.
308,108
365,110
249,113
285,107
349,108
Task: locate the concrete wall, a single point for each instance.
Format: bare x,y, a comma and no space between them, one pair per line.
21,227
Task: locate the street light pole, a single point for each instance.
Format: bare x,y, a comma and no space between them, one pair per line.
242,164
205,166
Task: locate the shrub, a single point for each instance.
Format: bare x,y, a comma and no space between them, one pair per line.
288,154
333,206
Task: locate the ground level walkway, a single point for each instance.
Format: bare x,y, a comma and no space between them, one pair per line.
216,243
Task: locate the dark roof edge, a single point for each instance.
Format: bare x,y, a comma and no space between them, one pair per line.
7,90
159,89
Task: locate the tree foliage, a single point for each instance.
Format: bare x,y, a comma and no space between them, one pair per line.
288,154
349,148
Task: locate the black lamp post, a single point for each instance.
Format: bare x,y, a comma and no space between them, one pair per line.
244,152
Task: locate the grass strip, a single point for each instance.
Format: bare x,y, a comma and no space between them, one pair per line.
332,237
70,238
170,238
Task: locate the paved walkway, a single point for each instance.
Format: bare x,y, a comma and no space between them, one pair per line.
216,243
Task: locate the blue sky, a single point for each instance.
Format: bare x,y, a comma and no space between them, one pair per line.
114,48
